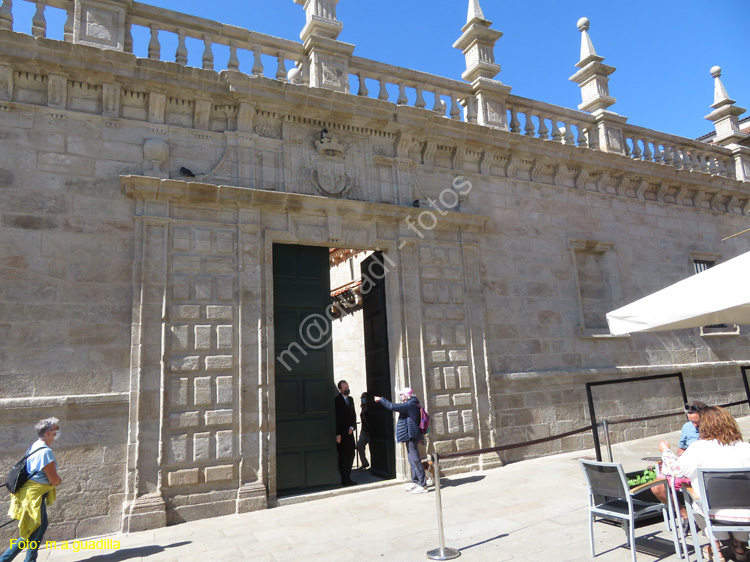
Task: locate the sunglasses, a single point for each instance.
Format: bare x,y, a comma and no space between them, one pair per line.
693,409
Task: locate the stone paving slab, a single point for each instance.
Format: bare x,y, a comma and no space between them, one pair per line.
533,510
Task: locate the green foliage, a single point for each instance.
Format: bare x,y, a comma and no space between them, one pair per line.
648,475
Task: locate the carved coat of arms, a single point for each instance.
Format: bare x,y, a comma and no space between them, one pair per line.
326,169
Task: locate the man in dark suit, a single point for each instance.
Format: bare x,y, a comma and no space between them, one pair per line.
346,420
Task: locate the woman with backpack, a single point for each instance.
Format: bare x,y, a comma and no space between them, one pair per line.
29,503
407,431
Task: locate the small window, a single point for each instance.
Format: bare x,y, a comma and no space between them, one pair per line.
699,266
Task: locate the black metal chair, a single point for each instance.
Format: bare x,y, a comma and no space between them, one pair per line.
720,488
610,499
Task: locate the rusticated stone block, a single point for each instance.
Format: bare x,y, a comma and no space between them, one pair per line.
219,312
224,337
190,363
463,399
202,391
219,473
224,444
183,477
219,417
201,446
224,390
186,312
219,362
203,337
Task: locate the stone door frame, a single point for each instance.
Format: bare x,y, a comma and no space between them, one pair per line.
258,219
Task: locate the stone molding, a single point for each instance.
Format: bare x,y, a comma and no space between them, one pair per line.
459,135
51,402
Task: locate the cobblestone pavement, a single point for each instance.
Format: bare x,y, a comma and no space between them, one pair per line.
533,510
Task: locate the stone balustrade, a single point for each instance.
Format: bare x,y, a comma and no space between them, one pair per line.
446,97
157,26
167,35
681,153
550,122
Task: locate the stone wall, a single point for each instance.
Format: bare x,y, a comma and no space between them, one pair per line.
140,203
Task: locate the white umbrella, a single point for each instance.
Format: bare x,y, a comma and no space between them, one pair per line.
719,295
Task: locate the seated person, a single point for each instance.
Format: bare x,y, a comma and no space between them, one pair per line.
688,435
720,446
690,430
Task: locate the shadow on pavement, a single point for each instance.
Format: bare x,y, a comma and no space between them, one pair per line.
446,483
483,542
130,553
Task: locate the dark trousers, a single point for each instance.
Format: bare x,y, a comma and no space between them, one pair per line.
34,542
346,452
415,461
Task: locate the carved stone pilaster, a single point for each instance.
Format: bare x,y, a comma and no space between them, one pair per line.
111,100
6,82
57,91
252,497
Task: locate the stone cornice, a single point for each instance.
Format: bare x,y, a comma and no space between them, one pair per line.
584,167
206,194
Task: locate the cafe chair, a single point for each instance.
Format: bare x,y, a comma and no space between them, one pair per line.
610,499
719,488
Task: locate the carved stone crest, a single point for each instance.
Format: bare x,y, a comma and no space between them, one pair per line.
326,168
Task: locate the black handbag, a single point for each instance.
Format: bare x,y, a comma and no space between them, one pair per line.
18,475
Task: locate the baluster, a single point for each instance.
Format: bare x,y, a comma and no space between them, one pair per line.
529,128
69,21
363,91
713,166
636,155
438,106
38,22
383,93
128,36
647,154
543,130
515,124
181,55
154,48
556,135
6,15
402,99
233,63
208,54
567,134
281,68
471,112
581,136
704,162
419,102
695,163
658,154
668,155
257,61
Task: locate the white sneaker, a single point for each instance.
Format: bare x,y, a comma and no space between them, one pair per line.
410,487
419,490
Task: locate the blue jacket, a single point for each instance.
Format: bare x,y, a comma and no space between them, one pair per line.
409,417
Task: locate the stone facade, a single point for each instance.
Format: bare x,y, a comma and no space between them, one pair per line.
140,200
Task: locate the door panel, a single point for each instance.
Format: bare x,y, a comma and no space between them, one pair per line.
377,365
305,428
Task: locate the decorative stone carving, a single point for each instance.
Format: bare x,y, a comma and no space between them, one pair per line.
326,168
156,158
100,23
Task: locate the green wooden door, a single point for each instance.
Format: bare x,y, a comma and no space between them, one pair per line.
378,366
305,424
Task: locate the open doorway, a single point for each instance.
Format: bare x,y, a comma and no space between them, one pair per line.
330,323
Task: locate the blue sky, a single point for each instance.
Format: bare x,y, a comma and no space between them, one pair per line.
662,50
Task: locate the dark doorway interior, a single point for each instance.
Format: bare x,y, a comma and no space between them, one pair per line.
306,459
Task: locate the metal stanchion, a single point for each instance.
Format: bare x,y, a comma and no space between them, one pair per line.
605,423
441,553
